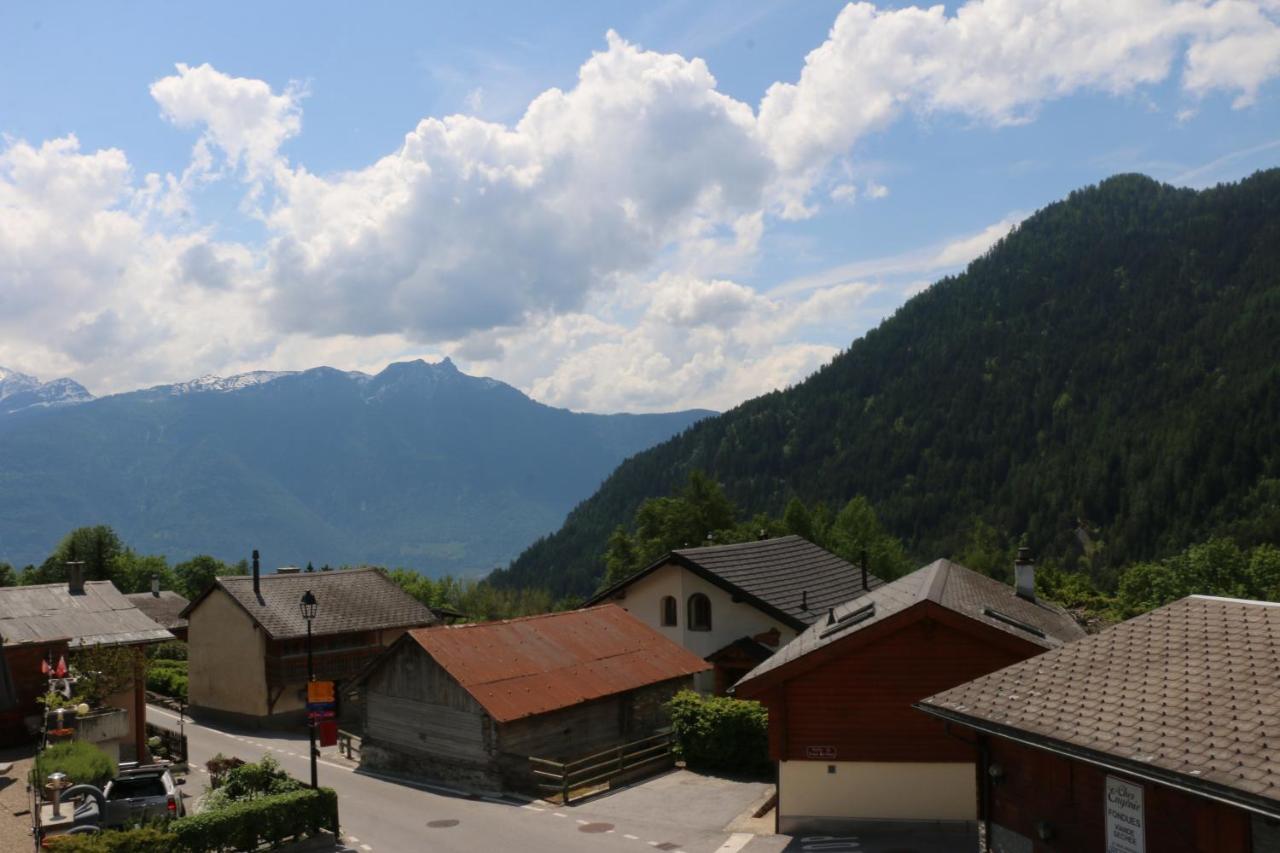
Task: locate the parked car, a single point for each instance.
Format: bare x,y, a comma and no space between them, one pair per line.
145,793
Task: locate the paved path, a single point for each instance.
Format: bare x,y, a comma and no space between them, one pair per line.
383,816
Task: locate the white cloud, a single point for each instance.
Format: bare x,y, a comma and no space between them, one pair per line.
241,117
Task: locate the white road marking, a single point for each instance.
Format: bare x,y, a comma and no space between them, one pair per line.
557,814
735,843
365,847
583,822
532,808
353,839
632,837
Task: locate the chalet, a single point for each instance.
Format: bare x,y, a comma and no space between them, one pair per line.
45,622
472,703
164,607
247,639
734,605
1159,734
849,748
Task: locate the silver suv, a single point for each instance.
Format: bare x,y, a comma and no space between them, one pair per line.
141,795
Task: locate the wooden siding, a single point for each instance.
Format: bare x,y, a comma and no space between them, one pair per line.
1069,795
859,703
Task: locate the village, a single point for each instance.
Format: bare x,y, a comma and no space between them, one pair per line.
764,696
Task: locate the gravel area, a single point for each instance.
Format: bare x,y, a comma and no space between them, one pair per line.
15,829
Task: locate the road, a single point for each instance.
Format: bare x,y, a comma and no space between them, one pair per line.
380,815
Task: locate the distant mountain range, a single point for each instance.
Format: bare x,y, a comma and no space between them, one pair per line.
19,391
1105,381
420,466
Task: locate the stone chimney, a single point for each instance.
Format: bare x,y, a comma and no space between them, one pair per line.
1024,575
256,569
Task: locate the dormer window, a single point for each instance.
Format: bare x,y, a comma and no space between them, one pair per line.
669,611
699,612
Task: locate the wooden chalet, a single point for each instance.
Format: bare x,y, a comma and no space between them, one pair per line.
1159,734
849,747
247,639
473,703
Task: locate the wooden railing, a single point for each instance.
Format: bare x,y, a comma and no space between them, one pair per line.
348,744
577,778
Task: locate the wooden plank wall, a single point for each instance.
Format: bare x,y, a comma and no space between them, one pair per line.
1069,796
860,703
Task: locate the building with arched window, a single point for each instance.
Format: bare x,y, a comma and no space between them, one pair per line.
734,605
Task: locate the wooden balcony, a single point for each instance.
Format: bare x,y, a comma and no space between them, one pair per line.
335,665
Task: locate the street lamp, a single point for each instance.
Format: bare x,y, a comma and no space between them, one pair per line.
309,607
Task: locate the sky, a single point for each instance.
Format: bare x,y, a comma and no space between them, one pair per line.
611,206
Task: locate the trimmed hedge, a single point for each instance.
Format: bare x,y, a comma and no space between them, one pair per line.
720,734
169,650
84,764
146,839
247,824
168,677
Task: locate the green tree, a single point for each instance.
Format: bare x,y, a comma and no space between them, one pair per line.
620,558
857,531
987,550
132,572
97,547
8,577
797,519
192,577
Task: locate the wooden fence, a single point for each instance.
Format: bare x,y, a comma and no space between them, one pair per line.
592,773
172,746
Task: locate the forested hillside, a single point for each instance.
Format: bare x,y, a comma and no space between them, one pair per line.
1104,382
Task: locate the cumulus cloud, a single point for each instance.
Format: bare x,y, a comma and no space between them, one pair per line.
241,117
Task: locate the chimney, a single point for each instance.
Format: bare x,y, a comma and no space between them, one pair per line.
1024,575
75,577
865,586
804,599
155,586
256,590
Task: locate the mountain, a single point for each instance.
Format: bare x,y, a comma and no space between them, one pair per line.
19,391
1107,374
420,466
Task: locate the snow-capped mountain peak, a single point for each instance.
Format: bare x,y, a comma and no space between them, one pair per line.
19,391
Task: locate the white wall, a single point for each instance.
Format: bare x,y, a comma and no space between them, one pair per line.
730,620
226,666
874,790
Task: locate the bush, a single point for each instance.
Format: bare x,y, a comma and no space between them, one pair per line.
246,824
719,734
171,650
146,839
168,678
83,763
251,781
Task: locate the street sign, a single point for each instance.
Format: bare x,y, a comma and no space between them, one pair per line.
327,730
321,702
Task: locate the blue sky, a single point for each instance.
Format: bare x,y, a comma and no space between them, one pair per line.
693,246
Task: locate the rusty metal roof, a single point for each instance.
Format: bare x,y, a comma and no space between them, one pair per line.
50,612
1188,694
522,667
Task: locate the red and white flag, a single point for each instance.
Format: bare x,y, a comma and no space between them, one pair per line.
44,667
61,670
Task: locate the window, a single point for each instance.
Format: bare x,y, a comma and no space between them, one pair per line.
669,611
699,612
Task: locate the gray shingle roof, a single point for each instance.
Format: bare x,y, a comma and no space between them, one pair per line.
1190,691
783,574
165,608
947,584
348,600
49,612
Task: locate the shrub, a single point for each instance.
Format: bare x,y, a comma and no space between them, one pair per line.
251,781
171,650
244,825
145,839
83,763
719,734
168,681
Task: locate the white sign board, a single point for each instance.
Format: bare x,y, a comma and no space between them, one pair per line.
1124,817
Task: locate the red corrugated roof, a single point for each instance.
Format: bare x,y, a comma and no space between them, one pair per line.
521,667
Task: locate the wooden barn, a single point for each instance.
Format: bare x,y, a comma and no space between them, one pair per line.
1160,734
473,703
849,747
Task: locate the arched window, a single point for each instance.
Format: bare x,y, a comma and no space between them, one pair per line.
699,612
669,610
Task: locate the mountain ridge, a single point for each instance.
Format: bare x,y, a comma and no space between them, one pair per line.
1112,366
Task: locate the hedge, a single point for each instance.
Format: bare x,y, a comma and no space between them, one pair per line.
169,650
247,824
720,734
168,678
146,839
84,764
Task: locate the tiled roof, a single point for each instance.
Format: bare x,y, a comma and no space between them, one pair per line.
165,607
789,576
1190,692
50,612
947,584
348,600
521,667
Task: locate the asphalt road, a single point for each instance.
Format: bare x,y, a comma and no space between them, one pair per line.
679,812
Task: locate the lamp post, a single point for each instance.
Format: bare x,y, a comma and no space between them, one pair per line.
309,607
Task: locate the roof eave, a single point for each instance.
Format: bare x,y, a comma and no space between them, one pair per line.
1189,784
